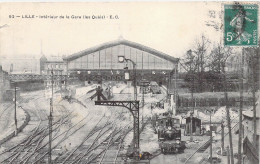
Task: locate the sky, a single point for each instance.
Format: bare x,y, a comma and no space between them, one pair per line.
169,27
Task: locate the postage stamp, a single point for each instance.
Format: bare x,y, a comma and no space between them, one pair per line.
241,25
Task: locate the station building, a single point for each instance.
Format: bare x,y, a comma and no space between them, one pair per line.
100,63
55,63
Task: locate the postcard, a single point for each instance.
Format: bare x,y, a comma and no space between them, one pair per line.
129,82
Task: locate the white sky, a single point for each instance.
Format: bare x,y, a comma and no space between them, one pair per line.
169,27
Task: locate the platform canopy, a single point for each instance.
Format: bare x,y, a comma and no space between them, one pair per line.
104,59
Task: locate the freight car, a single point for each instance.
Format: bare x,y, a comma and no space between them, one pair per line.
154,88
169,133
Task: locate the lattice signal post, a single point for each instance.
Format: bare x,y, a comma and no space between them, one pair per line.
133,107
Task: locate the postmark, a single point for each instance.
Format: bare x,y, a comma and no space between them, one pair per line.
241,25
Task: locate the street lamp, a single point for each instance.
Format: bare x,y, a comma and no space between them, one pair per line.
127,76
122,59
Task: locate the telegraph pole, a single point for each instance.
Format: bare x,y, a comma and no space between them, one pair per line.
254,65
228,155
241,87
222,137
254,111
15,116
210,137
192,112
175,89
50,118
228,118
143,107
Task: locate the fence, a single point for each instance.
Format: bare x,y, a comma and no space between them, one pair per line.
206,102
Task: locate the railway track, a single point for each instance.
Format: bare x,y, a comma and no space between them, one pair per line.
65,135
102,142
72,153
111,153
205,146
93,142
42,143
101,145
59,137
108,150
34,137
8,110
30,145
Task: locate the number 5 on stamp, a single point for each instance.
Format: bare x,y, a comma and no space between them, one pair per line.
241,25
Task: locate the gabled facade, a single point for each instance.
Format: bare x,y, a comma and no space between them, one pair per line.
103,60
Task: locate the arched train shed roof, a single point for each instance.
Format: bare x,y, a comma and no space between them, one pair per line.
121,42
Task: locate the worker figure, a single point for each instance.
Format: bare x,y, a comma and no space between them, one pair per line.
99,94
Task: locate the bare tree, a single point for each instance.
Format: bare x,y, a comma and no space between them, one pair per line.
189,62
219,57
195,62
201,50
252,56
196,59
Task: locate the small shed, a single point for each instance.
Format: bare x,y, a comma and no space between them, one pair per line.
9,94
196,125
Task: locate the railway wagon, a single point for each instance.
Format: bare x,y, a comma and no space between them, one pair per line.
196,126
169,133
154,88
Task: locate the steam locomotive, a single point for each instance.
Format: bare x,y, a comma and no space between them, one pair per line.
169,133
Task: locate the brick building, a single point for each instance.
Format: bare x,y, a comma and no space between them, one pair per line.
4,82
55,63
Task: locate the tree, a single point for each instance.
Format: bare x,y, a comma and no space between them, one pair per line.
189,62
201,51
219,57
195,63
252,57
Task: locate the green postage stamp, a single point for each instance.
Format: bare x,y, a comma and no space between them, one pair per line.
241,25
